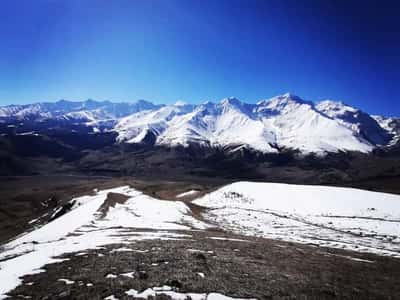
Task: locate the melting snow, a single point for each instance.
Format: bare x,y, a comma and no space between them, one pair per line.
129,274
199,251
328,216
166,290
188,193
66,281
84,228
122,249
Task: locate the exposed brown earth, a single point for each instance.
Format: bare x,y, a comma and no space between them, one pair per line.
111,201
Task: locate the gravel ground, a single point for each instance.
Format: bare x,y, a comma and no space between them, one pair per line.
245,267
240,267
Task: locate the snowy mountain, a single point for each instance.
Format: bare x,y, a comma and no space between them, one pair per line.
282,122
136,127
356,120
85,111
300,125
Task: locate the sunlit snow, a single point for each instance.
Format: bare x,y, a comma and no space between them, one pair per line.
327,216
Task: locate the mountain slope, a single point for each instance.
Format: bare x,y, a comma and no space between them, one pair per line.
298,124
356,120
229,122
391,125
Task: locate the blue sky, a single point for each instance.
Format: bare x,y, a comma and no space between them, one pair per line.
167,50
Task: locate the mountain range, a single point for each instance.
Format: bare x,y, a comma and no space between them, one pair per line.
269,126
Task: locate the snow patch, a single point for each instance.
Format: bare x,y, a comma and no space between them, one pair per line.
188,193
327,216
111,297
128,274
168,291
66,281
122,249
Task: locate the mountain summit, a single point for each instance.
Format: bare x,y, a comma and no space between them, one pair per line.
285,121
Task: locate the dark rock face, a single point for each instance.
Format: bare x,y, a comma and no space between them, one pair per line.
150,138
369,128
63,210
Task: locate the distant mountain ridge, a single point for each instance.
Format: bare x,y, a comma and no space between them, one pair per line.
282,122
67,109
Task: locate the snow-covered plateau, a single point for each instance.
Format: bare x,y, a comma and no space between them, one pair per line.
322,216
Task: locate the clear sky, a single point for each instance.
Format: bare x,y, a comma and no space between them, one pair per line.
201,50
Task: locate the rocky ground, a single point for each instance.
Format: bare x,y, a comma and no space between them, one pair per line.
27,198
208,262
190,261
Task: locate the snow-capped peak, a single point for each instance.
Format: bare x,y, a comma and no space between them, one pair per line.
358,121
333,108
290,96
234,104
282,104
231,101
282,100
180,103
